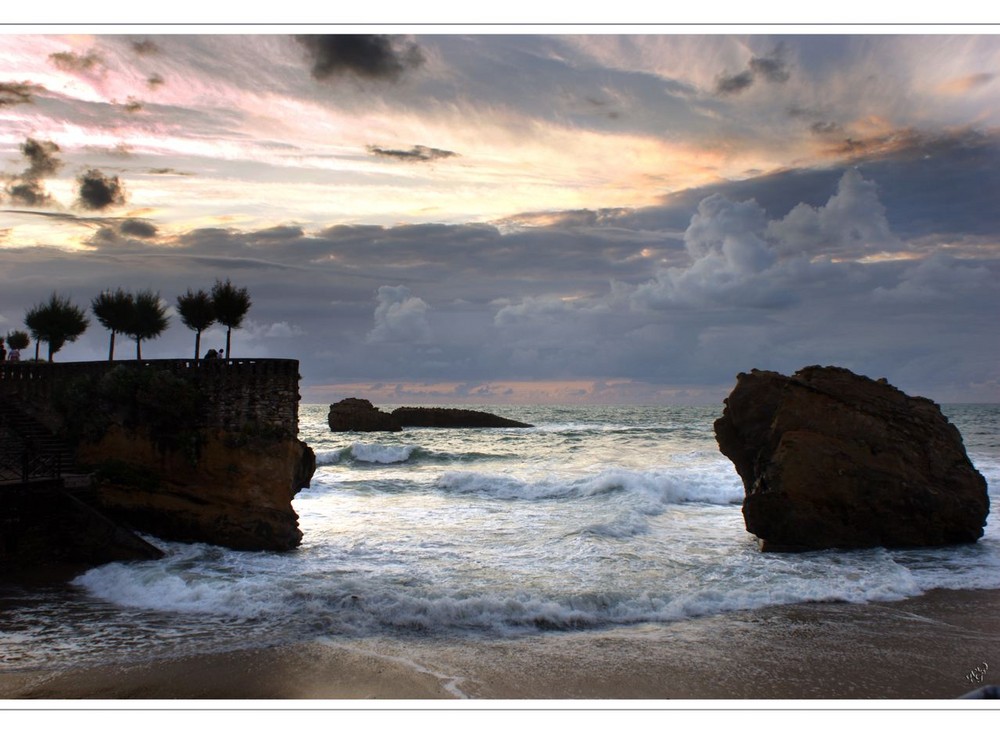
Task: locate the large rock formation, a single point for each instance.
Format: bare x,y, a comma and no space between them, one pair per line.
234,491
355,414
830,459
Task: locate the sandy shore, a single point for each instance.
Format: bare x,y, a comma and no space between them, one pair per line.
920,648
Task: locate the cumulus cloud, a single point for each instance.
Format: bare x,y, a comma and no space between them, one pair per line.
418,153
852,222
98,191
361,55
737,257
399,316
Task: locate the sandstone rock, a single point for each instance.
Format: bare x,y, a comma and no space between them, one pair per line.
452,418
355,414
830,459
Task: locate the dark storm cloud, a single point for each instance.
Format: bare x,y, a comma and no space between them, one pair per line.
98,191
368,56
13,93
733,84
74,62
27,188
418,153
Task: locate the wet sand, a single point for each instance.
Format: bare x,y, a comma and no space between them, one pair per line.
918,649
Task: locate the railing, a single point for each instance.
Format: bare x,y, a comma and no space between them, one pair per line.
22,456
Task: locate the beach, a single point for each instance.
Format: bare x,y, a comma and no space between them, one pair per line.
916,649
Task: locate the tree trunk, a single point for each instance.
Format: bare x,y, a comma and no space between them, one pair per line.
38,343
229,333
138,350
111,349
197,344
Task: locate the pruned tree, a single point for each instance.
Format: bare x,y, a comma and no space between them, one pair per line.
197,311
231,305
18,340
56,322
115,310
149,319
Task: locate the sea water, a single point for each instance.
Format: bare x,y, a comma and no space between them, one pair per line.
596,518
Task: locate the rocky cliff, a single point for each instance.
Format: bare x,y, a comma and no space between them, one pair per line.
833,459
181,450
235,492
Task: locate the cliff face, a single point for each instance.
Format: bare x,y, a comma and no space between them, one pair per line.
182,450
234,493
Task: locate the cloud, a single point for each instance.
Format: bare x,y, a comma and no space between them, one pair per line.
821,127
965,84
26,188
74,62
769,68
399,317
14,93
417,153
138,228
154,81
145,47
132,105
853,222
98,192
734,83
367,56
772,69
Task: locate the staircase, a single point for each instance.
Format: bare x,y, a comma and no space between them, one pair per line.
30,451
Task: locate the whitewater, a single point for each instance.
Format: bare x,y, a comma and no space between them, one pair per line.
597,518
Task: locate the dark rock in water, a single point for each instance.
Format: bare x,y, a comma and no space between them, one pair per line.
355,414
830,459
452,418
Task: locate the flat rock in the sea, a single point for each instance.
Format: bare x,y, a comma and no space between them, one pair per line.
356,414
830,459
453,418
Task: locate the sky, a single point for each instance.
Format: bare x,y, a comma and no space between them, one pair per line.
484,217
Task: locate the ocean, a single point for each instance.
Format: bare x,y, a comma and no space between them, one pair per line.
597,518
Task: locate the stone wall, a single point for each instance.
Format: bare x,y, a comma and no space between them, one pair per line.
237,394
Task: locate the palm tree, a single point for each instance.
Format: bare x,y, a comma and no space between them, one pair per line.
231,305
115,311
55,322
149,319
198,313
